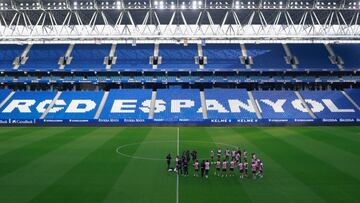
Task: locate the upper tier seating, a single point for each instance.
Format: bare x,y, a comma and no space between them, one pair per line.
354,94
89,57
26,105
178,104
127,104
349,53
229,104
44,56
267,56
312,56
133,57
8,53
279,104
330,104
223,56
178,56
80,105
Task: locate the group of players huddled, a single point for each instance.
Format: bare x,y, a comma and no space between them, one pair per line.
221,163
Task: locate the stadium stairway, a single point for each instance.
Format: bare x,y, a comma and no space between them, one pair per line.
255,105
23,58
152,104
51,105
305,104
67,55
101,105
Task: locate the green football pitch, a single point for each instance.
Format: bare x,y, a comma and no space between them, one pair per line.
50,164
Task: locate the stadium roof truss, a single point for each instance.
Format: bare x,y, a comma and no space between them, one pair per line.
176,20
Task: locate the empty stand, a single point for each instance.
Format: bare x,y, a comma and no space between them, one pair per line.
279,105
8,53
79,105
312,56
26,105
88,57
178,104
127,104
349,53
354,95
267,56
133,57
44,57
229,104
223,56
178,56
330,105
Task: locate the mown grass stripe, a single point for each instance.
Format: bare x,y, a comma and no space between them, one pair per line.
286,188
322,178
150,178
92,178
18,142
30,180
20,157
10,133
332,155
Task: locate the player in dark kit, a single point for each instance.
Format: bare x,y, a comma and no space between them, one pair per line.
168,160
186,168
202,168
178,164
194,155
246,166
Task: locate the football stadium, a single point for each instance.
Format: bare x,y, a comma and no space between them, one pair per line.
179,101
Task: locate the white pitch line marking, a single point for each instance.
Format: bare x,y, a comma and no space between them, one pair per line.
177,176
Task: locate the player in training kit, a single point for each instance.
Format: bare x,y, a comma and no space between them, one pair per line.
178,164
196,167
253,168
253,156
241,170
219,153
245,155
232,166
233,154
218,167
207,168
238,157
227,153
246,166
212,154
224,166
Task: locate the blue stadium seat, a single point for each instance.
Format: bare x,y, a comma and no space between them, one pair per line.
181,104
267,56
312,56
128,106
3,94
89,57
133,57
349,53
8,53
223,56
26,105
44,57
279,105
354,94
178,56
219,106
80,105
330,105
